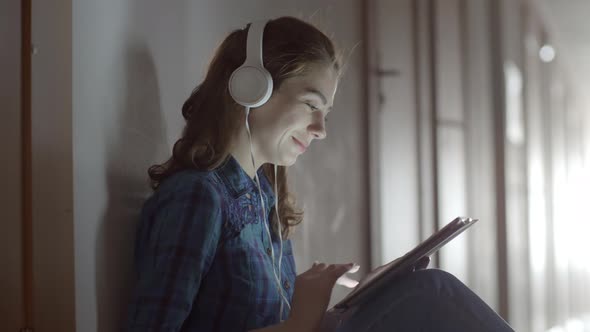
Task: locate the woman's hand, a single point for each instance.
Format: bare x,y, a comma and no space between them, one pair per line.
311,296
421,264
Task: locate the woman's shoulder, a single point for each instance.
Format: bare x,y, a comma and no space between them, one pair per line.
191,180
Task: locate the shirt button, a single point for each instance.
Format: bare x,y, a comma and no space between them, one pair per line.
287,284
268,251
250,207
248,196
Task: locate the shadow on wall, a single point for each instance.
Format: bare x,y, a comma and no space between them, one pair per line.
140,136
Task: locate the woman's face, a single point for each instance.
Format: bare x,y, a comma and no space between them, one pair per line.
294,116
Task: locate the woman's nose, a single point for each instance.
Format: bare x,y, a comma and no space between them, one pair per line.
318,127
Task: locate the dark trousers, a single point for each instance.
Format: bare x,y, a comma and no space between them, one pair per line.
426,300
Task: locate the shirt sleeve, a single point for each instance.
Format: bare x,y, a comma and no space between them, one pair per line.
181,244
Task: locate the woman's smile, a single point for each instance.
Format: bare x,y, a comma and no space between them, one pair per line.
301,146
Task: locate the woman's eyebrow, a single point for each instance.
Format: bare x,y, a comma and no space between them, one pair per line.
317,93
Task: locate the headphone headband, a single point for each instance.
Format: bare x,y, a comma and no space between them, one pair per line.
254,46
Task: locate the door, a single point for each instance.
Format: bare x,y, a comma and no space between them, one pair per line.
11,277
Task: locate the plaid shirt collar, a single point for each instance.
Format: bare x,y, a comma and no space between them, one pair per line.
239,183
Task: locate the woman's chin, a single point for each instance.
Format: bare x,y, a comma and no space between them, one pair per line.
288,160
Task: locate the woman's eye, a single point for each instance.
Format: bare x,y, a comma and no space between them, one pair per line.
313,108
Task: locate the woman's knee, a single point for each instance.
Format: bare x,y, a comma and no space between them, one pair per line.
433,280
435,275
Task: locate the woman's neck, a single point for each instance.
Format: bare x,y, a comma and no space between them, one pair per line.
241,152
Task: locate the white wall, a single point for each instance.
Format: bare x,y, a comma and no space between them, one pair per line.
134,64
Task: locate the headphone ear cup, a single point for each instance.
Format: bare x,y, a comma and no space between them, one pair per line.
250,86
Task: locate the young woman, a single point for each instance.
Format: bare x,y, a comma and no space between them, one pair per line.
212,250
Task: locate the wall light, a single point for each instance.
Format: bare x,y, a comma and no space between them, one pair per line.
547,53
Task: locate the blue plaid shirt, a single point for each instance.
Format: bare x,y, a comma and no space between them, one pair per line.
203,257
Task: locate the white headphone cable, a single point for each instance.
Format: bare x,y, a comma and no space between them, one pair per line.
283,299
280,235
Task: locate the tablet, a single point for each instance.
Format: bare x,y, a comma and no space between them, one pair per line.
405,264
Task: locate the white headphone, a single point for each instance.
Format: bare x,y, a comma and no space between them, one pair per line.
250,85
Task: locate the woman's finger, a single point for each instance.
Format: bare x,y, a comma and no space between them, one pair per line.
337,270
318,265
422,263
354,269
347,282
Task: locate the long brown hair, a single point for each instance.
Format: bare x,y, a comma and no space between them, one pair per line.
213,119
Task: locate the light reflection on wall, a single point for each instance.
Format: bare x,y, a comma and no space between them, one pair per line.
575,205
537,216
514,110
